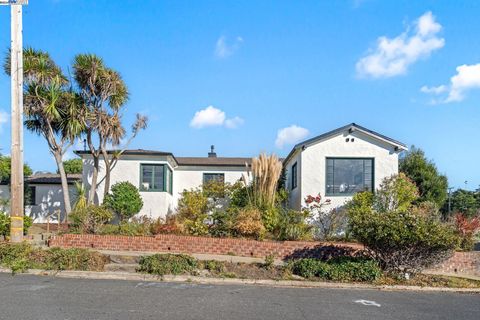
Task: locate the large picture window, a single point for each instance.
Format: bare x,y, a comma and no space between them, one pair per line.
346,176
155,177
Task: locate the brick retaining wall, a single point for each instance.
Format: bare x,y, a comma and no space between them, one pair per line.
460,262
205,245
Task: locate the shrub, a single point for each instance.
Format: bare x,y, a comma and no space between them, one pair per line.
391,228
5,222
222,223
346,269
327,223
467,229
193,211
162,264
90,219
396,193
124,199
248,223
169,225
293,225
212,266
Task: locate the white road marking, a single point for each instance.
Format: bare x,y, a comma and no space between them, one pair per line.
368,303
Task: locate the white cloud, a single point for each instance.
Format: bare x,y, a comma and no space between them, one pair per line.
290,135
224,48
392,57
211,117
233,123
434,90
3,119
467,78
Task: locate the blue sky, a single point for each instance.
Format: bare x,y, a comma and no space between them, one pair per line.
235,73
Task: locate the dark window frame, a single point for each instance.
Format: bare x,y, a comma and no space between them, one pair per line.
294,175
167,182
337,194
213,173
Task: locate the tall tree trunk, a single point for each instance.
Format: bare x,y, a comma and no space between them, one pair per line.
108,170
63,177
93,186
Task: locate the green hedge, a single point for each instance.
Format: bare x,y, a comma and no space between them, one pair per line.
346,269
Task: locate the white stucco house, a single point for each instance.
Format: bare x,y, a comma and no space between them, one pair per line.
45,200
339,163
336,164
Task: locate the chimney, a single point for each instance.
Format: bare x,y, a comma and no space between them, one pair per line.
212,153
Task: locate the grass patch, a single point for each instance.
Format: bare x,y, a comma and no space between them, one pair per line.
23,256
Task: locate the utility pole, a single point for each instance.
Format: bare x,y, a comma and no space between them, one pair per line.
16,183
450,200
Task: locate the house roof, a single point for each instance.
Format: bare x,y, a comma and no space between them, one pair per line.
130,152
184,161
351,127
52,178
213,161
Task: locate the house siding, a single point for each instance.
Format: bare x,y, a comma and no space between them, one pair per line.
313,173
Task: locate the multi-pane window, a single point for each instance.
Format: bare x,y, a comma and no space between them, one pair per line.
346,176
213,177
294,176
155,177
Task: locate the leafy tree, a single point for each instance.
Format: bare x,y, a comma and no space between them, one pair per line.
52,109
465,202
73,166
104,94
432,185
124,199
6,169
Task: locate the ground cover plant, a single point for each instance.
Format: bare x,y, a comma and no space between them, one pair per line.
343,269
23,256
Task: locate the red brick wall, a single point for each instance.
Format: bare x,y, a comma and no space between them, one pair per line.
462,263
186,244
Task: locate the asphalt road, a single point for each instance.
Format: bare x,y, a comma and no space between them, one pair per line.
34,297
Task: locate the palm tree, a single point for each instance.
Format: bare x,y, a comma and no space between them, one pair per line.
104,94
51,108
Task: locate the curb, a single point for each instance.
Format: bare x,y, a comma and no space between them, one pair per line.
130,276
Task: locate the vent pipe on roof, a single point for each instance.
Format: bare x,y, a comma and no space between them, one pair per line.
212,153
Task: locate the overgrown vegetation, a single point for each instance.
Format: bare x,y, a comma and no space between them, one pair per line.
401,236
90,219
344,269
162,264
20,257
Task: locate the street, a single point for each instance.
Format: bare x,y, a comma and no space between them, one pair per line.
34,297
